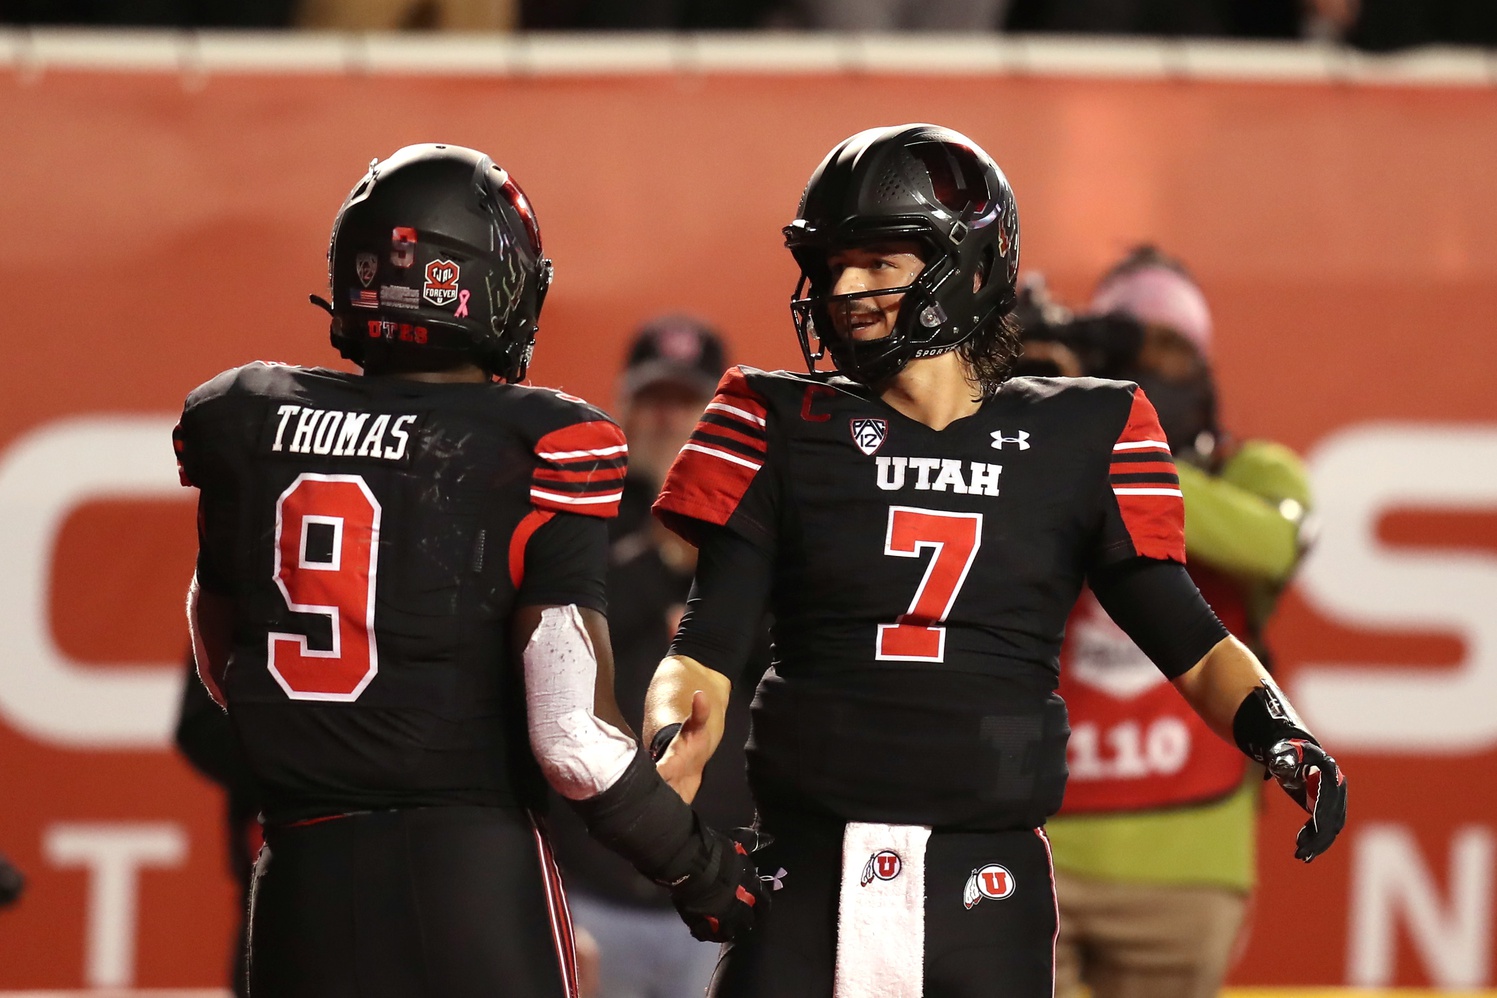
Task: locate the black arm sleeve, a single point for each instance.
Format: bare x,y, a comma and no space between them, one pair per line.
725,610
1157,604
566,561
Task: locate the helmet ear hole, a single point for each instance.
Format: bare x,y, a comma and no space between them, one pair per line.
984,270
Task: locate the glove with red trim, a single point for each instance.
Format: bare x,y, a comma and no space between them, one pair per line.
1268,730
726,899
1311,777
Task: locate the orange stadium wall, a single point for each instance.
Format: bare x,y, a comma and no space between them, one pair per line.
158,226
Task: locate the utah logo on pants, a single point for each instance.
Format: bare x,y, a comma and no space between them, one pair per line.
993,882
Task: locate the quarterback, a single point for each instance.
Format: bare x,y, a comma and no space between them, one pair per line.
919,524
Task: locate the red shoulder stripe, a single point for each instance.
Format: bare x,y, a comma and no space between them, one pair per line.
580,468
716,466
529,524
1153,510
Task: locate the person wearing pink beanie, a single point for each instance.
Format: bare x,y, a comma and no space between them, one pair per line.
1155,843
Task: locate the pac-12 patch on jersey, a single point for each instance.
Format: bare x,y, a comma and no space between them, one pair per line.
868,433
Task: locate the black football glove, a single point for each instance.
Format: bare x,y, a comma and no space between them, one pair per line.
11,883
726,899
1316,783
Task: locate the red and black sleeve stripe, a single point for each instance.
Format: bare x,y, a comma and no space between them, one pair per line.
718,463
1147,487
580,469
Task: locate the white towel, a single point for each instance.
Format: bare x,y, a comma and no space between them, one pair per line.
881,912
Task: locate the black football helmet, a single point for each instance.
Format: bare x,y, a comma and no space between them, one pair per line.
435,258
916,182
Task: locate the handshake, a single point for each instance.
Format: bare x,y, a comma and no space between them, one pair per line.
726,897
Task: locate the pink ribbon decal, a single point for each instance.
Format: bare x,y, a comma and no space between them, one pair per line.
462,305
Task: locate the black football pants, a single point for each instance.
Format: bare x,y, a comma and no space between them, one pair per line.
993,949
442,902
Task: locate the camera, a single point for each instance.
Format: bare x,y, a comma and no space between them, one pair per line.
1099,346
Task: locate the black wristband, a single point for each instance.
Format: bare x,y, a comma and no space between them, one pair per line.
642,819
1264,718
662,740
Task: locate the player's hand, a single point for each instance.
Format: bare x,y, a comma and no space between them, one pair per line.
727,898
686,755
1316,783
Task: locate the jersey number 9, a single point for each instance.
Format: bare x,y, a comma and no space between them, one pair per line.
326,555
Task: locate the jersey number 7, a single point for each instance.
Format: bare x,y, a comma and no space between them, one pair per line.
326,556
954,538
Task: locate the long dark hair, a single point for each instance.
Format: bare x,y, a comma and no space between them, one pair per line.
990,353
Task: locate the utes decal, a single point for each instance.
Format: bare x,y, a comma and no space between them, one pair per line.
405,332
999,440
403,246
993,882
935,474
868,433
882,865
441,282
366,265
775,880
301,430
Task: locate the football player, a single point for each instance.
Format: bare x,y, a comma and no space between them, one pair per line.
920,524
399,596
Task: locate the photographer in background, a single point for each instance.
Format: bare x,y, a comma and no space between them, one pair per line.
1154,847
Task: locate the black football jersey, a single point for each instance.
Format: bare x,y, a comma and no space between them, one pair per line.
922,580
372,534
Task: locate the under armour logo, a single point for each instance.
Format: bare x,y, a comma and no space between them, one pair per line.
999,440
775,880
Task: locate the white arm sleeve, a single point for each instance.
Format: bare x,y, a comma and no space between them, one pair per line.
580,755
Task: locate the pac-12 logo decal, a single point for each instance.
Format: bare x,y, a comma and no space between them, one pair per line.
882,865
993,882
868,433
441,282
366,265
